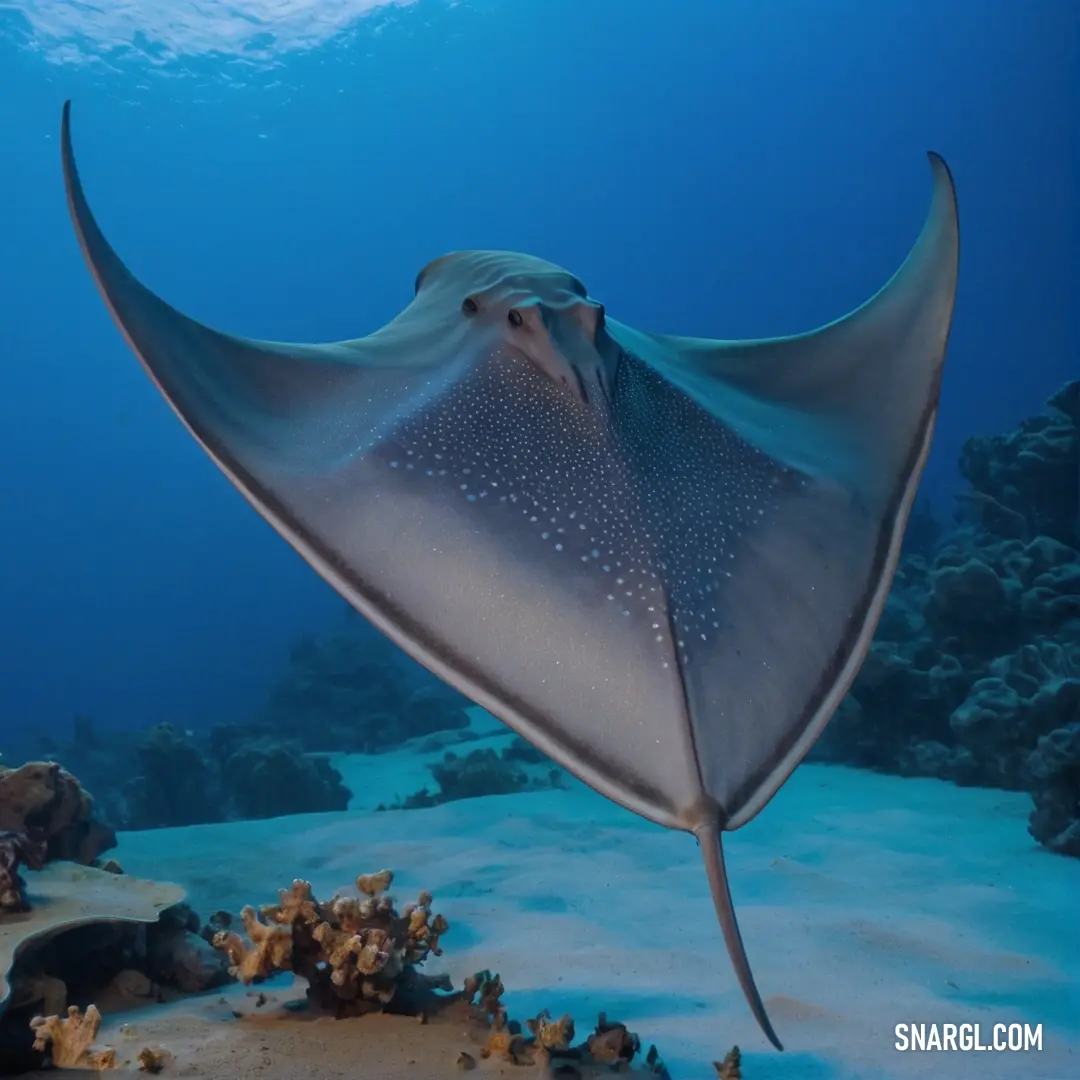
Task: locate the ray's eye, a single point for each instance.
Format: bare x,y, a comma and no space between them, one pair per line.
469,306
514,317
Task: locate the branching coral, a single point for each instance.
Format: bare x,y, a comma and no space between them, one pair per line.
70,1041
358,954
268,949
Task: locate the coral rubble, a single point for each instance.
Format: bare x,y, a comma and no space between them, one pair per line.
611,1047
151,1060
974,674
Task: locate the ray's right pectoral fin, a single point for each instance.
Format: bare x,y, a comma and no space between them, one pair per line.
866,384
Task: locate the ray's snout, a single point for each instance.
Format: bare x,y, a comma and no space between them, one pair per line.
565,344
544,316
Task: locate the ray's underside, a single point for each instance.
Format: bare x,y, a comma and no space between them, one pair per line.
660,559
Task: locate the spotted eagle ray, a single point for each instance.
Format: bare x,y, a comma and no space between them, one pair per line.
659,559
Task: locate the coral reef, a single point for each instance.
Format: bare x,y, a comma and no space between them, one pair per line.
173,781
1026,481
484,772
263,777
352,691
1054,767
70,1041
178,953
974,674
165,777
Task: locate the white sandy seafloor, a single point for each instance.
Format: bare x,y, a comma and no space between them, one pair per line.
864,900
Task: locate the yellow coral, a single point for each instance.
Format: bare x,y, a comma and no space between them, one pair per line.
424,930
69,1041
490,989
267,951
295,905
373,884
367,952
354,915
505,1042
552,1034
731,1067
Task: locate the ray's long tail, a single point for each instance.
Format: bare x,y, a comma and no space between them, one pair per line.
709,837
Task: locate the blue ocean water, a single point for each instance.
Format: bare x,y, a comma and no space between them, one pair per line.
283,169
728,170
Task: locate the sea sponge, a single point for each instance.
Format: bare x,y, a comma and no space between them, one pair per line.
69,1041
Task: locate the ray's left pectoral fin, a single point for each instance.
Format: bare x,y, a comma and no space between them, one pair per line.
264,411
842,417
